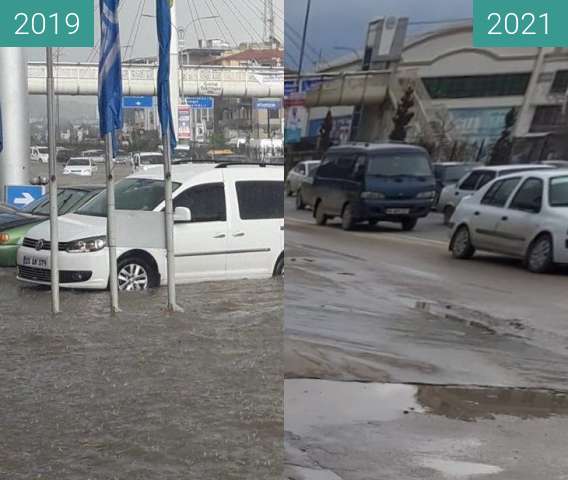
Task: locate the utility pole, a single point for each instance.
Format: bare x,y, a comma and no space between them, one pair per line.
15,156
268,21
303,48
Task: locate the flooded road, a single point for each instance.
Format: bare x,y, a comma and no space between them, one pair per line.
416,365
143,394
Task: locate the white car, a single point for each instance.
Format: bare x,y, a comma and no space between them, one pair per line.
524,215
84,167
452,195
145,160
297,175
39,154
97,156
229,224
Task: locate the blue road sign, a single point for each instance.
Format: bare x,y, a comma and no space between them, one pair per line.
200,103
290,86
20,196
138,102
267,103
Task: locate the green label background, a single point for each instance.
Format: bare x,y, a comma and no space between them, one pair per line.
85,36
557,23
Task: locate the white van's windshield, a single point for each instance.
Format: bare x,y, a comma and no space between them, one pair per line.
130,194
395,164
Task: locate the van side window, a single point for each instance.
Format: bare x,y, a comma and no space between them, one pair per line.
344,166
260,200
206,202
327,167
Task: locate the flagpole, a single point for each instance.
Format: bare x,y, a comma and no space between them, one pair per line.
169,219
53,220
111,225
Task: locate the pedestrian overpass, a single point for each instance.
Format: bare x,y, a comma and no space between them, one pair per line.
141,80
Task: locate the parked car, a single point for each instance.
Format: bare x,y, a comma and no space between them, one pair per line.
452,195
97,155
372,182
449,173
39,154
123,157
307,183
84,167
143,160
229,224
523,215
297,175
14,224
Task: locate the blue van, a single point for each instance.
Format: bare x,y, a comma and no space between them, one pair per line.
372,182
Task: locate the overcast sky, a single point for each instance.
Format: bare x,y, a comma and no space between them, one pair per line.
239,21
344,23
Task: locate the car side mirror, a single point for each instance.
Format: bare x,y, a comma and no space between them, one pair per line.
182,215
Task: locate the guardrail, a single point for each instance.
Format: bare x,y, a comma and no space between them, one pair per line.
82,79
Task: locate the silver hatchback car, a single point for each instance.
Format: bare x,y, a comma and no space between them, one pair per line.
524,215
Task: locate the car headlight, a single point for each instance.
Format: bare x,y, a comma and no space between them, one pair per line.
429,194
372,195
87,245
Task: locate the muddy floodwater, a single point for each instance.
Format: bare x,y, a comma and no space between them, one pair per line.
143,394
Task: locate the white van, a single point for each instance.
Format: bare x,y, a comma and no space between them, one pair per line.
229,224
39,154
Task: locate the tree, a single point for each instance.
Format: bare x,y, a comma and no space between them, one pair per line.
403,116
503,147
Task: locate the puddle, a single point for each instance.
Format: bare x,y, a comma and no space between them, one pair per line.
470,404
324,403
454,469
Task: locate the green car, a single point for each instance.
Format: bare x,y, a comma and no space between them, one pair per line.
14,223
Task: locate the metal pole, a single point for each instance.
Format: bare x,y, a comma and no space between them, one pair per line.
169,218
15,157
53,220
303,48
111,225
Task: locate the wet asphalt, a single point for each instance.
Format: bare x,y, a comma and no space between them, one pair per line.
403,361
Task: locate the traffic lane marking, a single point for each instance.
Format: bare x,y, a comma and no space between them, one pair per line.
413,239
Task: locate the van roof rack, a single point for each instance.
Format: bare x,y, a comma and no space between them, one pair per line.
230,164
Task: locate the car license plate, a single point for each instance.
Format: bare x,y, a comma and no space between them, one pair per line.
398,211
34,262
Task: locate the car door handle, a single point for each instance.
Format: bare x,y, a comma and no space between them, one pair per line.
457,194
239,234
220,235
504,218
477,214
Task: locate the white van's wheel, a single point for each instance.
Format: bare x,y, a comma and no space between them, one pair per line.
135,274
279,267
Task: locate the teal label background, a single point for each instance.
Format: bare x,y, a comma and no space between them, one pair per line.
557,23
85,36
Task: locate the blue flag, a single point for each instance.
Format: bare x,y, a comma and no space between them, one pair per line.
164,23
110,70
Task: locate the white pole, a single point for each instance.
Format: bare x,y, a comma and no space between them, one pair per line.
169,219
15,157
111,225
168,190
53,220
